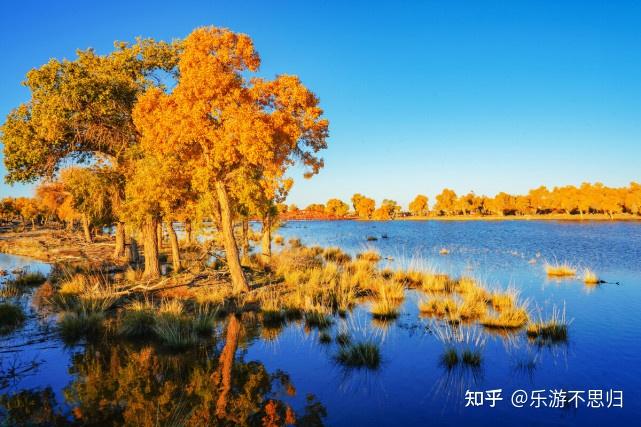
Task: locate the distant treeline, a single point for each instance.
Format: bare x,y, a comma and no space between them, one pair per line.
584,200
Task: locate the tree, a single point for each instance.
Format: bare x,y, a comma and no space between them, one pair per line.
316,207
445,202
632,199
418,206
221,122
80,110
393,208
91,195
363,206
54,201
502,204
336,207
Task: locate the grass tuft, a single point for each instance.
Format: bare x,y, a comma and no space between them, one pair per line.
590,277
360,355
11,317
559,269
28,279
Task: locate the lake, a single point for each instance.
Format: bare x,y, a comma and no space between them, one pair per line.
108,381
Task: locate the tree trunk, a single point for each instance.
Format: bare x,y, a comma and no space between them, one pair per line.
159,237
188,232
131,251
226,363
231,249
119,249
266,241
175,250
33,224
245,237
85,228
150,236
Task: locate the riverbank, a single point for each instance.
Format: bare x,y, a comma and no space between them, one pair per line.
54,246
552,217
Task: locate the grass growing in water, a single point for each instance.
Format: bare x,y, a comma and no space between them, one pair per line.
76,325
590,277
138,319
175,332
11,317
359,355
27,279
553,330
513,318
559,269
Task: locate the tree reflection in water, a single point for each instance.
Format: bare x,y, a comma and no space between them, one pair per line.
117,384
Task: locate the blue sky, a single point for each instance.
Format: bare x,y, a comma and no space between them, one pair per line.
481,95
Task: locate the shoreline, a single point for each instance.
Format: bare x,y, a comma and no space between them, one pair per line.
561,217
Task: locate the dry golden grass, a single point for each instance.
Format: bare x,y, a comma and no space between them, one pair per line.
512,318
559,269
133,275
335,254
432,282
590,277
369,255
75,285
502,301
442,307
172,307
472,309
385,308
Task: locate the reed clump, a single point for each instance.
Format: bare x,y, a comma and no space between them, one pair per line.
362,355
590,277
138,319
512,318
557,269
553,330
438,306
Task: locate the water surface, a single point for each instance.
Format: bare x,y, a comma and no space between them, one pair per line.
290,367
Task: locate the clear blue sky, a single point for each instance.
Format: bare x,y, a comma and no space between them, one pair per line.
479,95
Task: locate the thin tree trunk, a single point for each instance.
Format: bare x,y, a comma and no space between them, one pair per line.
175,250
231,249
149,234
245,237
266,241
33,224
85,228
119,249
188,232
226,363
131,251
159,237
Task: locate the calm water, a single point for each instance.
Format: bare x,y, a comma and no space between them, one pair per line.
110,382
